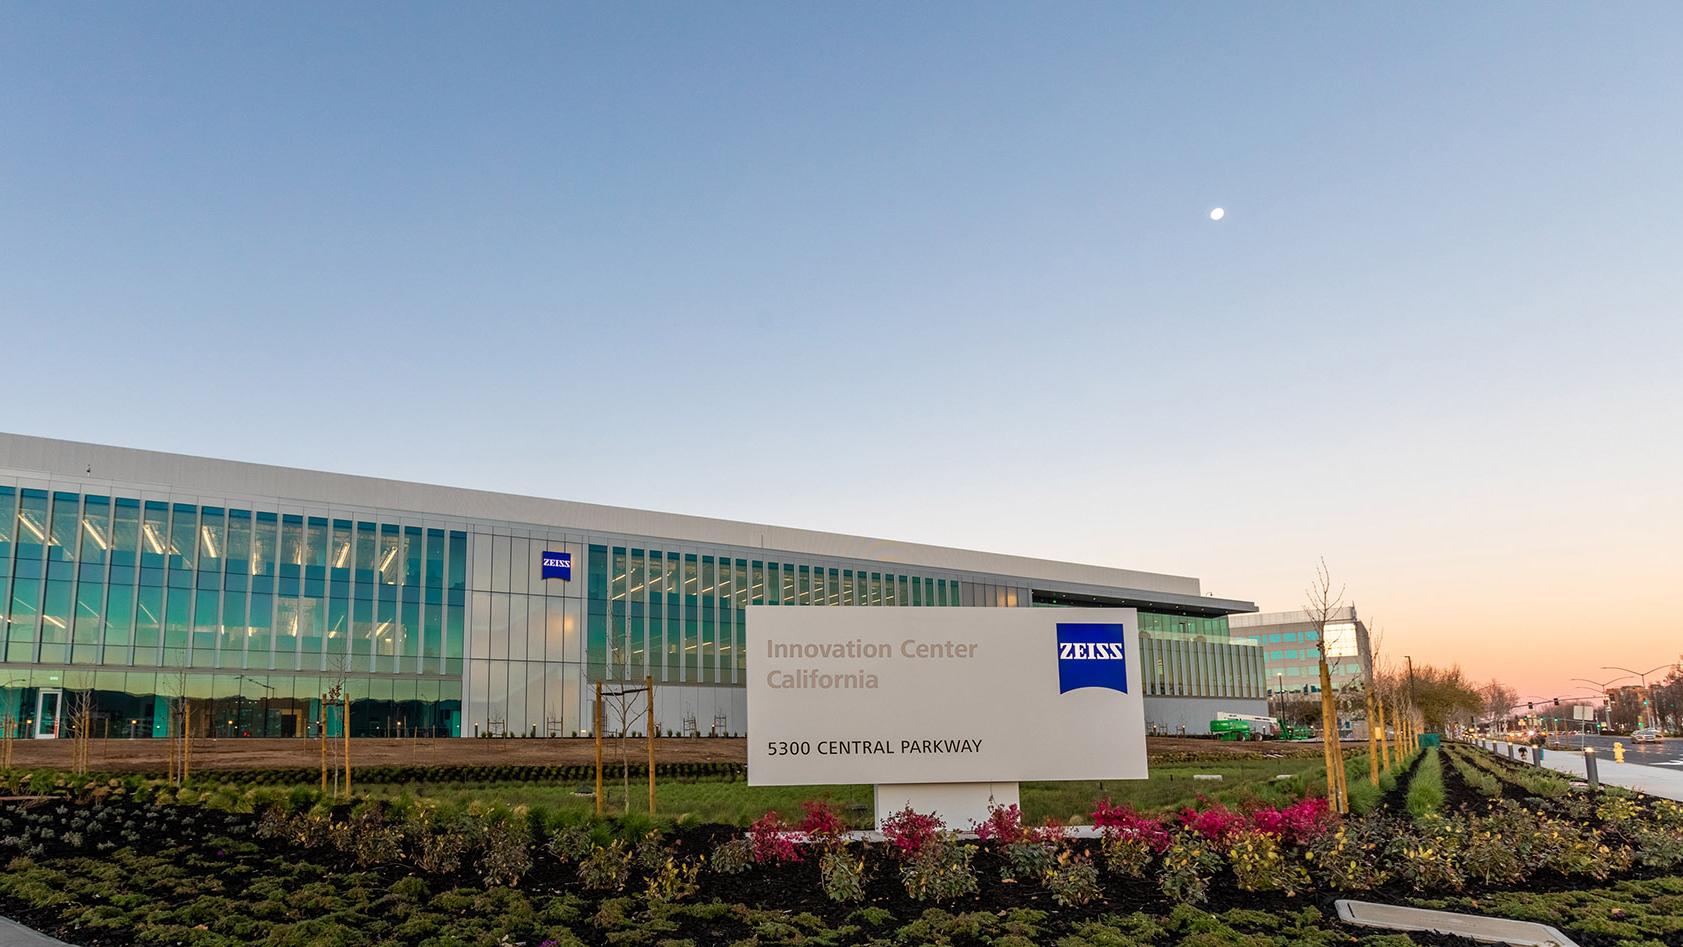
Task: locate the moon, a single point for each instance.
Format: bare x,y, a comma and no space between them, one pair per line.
1218,213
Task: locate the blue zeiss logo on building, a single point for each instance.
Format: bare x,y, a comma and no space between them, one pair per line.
1091,655
558,565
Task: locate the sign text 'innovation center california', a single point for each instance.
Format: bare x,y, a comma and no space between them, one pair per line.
942,696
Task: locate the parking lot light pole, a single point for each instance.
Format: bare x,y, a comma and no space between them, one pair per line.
1642,718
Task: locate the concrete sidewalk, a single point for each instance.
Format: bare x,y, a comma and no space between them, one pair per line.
13,934
1653,780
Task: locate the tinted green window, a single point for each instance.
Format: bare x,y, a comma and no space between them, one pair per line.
56,610
692,617
596,614
674,616
148,624
617,618
62,536
435,558
25,614
655,579
709,627
8,527
90,611
183,543
458,560
31,534
413,553
119,625
759,589
95,536
637,610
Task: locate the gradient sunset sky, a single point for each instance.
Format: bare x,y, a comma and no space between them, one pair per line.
941,272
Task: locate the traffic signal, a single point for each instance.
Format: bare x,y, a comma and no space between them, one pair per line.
1529,705
1557,701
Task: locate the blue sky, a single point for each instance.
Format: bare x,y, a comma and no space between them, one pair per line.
940,272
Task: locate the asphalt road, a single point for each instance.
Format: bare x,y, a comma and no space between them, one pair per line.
1668,754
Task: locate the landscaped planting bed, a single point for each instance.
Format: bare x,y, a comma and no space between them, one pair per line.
129,862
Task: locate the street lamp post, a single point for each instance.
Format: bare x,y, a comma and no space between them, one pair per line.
1601,686
1642,717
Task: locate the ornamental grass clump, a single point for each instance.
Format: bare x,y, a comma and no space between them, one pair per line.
1189,863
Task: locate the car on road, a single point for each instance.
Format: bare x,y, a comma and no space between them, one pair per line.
1647,735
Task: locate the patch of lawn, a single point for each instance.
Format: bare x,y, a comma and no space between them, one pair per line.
1425,790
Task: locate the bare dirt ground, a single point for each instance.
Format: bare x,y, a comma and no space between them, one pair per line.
127,756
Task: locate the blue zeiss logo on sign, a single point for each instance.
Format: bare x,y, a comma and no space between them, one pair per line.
558,565
1091,655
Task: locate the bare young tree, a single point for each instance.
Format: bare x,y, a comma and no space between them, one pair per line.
8,724
338,693
625,709
1323,605
179,718
78,717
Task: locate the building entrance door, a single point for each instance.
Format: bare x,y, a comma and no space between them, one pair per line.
48,709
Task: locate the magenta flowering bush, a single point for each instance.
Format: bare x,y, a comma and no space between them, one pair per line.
1216,823
909,831
1004,825
771,840
1123,822
820,822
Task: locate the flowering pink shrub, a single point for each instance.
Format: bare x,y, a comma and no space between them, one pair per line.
821,822
771,840
1307,819
910,831
1216,823
1123,822
1050,832
1004,825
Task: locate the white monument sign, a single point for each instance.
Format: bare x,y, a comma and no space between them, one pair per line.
944,708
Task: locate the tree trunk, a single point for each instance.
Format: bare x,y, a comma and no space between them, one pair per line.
1372,741
1329,735
1384,741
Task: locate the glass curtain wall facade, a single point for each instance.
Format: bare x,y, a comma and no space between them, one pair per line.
248,614
435,624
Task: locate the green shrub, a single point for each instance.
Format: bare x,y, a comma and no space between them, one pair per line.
508,853
1127,855
571,843
606,868
843,875
1188,865
939,870
1260,863
672,881
1028,860
1352,857
1073,880
733,857
1427,855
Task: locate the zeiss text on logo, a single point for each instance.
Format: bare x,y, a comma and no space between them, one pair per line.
1091,655
558,565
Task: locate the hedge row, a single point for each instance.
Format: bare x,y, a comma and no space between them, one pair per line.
571,773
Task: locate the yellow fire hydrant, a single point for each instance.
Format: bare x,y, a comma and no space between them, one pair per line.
1618,752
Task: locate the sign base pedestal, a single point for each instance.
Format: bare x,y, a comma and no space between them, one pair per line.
958,804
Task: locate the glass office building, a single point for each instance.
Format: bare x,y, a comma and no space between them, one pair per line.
250,592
